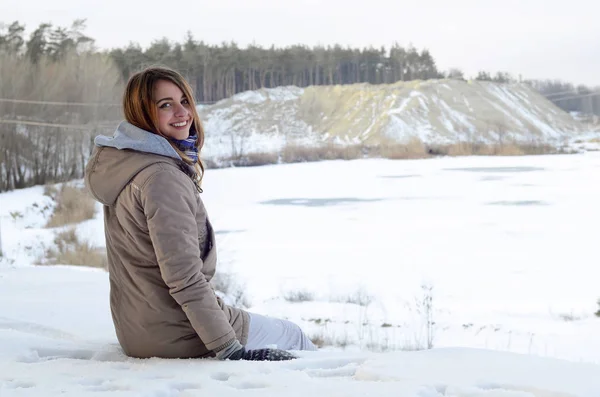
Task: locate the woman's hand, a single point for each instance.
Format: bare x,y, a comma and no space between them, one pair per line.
235,351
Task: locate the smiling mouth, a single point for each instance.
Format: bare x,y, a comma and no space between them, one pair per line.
180,124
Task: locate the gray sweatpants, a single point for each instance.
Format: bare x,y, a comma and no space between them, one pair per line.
273,332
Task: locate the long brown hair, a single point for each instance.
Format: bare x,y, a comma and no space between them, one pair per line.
140,110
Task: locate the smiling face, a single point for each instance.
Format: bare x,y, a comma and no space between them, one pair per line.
173,110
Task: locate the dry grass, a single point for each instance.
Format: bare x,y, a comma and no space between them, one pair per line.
318,340
321,340
414,149
292,153
73,205
568,317
226,284
262,158
70,250
379,345
360,297
505,149
252,159
298,296
298,154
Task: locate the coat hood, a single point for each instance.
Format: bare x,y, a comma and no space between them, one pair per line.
117,159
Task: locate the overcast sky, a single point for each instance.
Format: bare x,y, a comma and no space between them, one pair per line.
535,38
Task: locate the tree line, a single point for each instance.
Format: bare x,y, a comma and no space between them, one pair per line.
50,88
55,65
220,71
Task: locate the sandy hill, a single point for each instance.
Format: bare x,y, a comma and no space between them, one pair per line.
433,111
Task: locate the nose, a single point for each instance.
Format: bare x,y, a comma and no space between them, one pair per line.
180,110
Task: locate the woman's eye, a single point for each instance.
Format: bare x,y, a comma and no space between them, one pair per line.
164,105
185,102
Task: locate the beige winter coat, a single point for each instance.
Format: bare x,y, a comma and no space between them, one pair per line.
161,255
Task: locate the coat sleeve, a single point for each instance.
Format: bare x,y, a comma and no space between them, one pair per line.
170,205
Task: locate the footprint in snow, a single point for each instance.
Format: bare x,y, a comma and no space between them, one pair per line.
347,371
43,354
492,390
113,355
326,364
434,391
173,389
90,382
248,384
19,384
121,366
47,354
35,329
221,376
241,384
109,386
157,376
181,386
97,384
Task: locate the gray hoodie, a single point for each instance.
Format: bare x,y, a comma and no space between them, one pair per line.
128,136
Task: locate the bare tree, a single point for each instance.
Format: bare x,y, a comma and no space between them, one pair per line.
56,94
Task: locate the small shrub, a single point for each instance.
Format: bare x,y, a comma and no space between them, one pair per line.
73,205
222,282
428,306
569,317
293,153
410,345
496,149
334,151
70,250
320,321
265,158
360,297
16,215
425,308
298,296
379,346
320,340
414,149
50,191
225,283
66,238
598,312
252,159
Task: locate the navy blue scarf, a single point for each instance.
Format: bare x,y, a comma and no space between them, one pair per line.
188,146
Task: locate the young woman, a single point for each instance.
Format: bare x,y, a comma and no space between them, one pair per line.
159,240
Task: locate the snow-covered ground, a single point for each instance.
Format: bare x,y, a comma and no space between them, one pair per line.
491,260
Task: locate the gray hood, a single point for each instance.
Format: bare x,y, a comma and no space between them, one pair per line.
128,136
117,159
